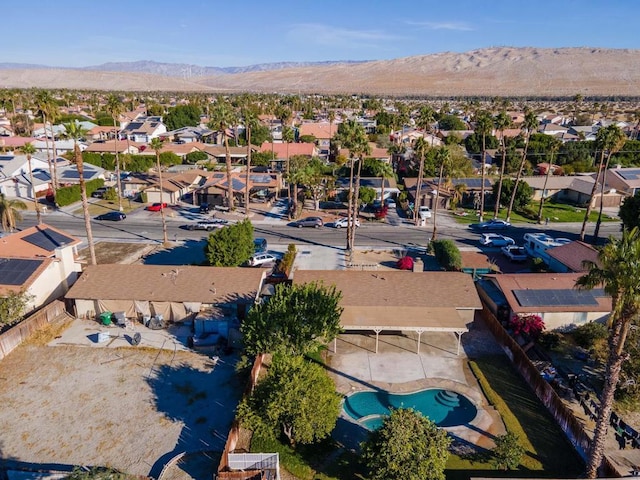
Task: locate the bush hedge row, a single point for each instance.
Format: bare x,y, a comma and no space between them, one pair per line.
68,195
447,254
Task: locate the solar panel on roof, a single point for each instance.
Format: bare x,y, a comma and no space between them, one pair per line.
16,271
260,178
556,298
633,174
47,239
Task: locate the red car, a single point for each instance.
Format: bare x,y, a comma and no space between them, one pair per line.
156,207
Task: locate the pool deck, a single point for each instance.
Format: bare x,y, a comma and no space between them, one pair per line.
398,368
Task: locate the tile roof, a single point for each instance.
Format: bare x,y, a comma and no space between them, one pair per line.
283,149
167,283
573,254
544,281
322,130
109,146
400,299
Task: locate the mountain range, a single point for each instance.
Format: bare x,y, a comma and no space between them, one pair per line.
496,71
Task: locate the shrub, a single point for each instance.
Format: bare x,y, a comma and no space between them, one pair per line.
587,335
195,157
447,254
68,195
550,340
531,325
110,195
287,260
508,452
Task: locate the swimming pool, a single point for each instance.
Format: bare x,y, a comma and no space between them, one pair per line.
443,407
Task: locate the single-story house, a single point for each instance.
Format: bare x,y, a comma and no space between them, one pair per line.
144,129
175,292
575,190
111,146
261,186
625,180
188,134
430,185
419,302
390,187
552,296
218,154
176,186
571,257
40,261
282,151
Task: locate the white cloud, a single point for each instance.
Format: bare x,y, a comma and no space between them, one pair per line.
327,35
457,26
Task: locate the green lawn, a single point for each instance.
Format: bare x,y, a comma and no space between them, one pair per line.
549,454
556,212
104,206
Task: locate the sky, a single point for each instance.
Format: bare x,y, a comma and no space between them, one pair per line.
73,33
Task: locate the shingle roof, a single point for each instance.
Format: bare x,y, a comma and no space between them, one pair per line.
167,283
573,254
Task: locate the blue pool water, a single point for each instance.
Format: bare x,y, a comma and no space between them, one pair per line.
443,407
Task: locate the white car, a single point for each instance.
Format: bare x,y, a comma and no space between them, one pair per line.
495,240
424,212
262,259
514,253
344,222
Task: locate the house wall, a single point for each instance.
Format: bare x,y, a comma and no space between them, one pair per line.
568,320
50,284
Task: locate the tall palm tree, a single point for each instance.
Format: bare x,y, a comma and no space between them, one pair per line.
250,121
443,156
75,132
553,148
10,212
426,118
501,122
156,145
223,117
383,170
609,140
420,147
483,127
616,139
351,135
43,106
528,127
618,274
28,149
115,108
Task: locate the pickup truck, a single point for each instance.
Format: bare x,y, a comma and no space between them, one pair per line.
208,225
514,253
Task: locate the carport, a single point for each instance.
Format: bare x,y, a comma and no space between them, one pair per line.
419,302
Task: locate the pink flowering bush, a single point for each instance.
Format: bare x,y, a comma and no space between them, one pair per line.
529,324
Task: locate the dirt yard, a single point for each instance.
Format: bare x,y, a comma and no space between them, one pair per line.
128,408
117,252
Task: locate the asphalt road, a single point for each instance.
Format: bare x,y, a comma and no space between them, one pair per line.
145,226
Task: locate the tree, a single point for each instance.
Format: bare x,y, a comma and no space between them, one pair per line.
250,121
617,272
420,147
314,180
182,116
296,320
484,128
296,398
501,122
295,176
44,106
28,149
223,117
156,146
522,197
630,212
443,157
508,452
75,132
288,135
230,246
10,212
614,140
451,122
379,168
528,126
554,148
408,446
115,108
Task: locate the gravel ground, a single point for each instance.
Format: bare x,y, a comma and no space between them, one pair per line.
128,408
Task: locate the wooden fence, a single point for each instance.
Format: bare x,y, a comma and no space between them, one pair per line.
562,414
17,334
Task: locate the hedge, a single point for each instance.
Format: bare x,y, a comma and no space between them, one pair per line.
447,254
68,195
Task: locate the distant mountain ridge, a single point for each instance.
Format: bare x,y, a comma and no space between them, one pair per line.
181,70
494,71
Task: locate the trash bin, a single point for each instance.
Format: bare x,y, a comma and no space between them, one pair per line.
105,318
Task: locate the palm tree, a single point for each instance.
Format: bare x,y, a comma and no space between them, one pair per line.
609,140
75,132
420,147
501,122
115,108
43,105
250,121
553,148
426,118
383,170
28,149
156,145
9,212
443,156
222,117
618,274
484,127
288,135
458,194
616,139
528,127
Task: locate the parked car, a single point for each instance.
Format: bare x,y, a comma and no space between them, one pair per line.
156,207
259,245
495,240
315,222
113,216
424,212
514,253
344,222
206,225
262,259
99,192
205,208
493,224
390,202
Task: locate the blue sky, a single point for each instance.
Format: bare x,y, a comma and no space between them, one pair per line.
75,33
